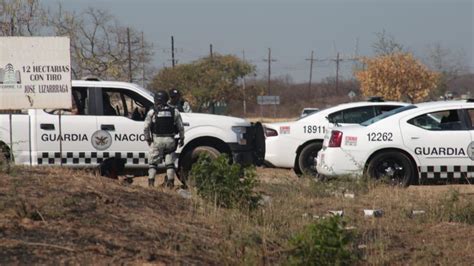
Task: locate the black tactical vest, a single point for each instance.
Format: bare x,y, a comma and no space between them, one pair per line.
163,121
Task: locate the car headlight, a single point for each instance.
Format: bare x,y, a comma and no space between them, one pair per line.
240,132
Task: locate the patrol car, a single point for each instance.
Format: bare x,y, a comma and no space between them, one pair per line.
107,121
423,142
295,144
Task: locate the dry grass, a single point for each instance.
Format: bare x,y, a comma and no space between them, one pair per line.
63,216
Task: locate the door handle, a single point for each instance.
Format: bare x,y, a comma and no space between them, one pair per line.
47,126
107,127
415,137
185,124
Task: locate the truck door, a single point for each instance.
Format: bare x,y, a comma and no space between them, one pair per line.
470,113
69,144
439,139
121,119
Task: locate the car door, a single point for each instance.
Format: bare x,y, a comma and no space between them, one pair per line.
121,120
470,151
66,139
439,139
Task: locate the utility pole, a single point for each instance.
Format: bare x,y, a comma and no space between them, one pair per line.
269,60
244,102
130,77
337,71
143,61
310,72
172,51
12,27
338,60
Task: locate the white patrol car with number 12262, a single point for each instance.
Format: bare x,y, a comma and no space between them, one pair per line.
417,143
295,144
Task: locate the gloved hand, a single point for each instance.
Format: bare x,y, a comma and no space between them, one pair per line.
181,142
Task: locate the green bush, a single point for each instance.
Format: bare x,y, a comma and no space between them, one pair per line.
323,243
452,209
224,184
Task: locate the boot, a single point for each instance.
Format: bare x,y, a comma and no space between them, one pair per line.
151,182
170,183
165,182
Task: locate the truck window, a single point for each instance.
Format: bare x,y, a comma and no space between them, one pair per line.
80,103
124,103
471,116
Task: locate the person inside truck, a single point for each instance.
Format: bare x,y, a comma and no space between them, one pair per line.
108,108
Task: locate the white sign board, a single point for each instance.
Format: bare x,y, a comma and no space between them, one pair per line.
267,100
351,94
35,72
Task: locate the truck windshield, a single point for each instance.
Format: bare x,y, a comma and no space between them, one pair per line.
387,114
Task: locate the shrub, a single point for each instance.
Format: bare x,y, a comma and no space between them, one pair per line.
323,243
452,209
224,184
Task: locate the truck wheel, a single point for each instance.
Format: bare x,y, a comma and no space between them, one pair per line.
306,164
393,166
192,156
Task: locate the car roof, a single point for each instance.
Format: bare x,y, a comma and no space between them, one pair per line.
343,106
435,105
443,104
111,84
426,106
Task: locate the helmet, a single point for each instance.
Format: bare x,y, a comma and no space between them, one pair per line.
161,97
174,93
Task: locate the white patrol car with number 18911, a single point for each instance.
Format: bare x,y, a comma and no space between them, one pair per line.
417,143
295,144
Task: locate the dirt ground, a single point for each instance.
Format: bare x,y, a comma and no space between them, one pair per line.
52,215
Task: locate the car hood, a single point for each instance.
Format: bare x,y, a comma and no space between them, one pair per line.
217,120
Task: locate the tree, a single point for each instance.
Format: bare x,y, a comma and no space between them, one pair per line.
448,63
100,45
21,18
397,76
386,44
206,81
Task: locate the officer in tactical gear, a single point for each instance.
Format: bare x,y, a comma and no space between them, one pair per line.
178,102
162,123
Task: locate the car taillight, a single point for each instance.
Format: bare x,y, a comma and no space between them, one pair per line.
336,139
270,132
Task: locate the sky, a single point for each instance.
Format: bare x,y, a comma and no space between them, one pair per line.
292,29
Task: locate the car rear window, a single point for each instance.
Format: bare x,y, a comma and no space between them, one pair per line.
387,114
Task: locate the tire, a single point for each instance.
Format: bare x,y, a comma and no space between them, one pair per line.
393,166
192,156
305,163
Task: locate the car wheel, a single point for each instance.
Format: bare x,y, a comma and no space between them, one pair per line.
306,164
392,166
192,156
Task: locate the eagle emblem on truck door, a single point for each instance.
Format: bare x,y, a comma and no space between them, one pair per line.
101,140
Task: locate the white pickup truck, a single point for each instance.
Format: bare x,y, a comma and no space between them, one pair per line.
106,122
